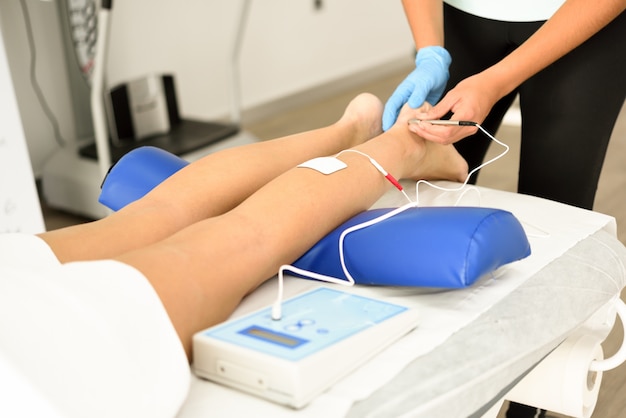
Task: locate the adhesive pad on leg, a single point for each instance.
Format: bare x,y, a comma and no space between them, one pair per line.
325,165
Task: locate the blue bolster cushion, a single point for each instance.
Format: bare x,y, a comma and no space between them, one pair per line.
136,173
444,247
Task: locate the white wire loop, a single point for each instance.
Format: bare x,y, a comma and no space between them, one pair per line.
469,175
277,306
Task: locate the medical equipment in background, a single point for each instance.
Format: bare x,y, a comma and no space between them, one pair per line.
72,176
322,336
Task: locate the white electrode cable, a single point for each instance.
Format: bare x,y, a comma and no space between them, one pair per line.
469,175
381,170
277,307
349,281
276,311
543,233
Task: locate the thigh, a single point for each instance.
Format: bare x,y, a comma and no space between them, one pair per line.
568,114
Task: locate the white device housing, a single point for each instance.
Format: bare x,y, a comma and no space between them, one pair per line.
297,381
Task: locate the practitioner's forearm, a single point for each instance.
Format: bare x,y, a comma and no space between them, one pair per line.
573,23
426,21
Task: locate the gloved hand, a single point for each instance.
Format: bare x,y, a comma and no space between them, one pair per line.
426,83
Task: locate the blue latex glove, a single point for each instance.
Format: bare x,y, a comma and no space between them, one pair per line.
426,83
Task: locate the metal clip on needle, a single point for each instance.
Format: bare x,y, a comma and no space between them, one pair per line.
445,122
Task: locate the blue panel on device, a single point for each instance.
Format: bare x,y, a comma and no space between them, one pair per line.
310,323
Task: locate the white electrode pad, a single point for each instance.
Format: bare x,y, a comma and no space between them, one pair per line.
325,165
323,335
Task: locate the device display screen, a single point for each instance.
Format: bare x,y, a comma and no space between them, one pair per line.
274,337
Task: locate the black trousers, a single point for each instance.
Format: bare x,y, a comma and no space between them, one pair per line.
568,109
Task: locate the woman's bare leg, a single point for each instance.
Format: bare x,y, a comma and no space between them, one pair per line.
212,186
202,272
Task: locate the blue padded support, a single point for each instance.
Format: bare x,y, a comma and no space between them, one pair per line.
445,247
136,173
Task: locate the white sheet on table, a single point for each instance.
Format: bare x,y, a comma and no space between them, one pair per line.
552,229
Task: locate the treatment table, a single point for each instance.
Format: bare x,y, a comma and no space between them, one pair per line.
474,345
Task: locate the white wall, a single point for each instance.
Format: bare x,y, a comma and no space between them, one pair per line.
18,197
289,47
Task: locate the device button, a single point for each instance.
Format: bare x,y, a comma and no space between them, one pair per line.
297,326
242,375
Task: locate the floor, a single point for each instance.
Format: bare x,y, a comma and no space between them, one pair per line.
501,175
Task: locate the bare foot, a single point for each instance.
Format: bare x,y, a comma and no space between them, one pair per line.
435,161
363,116
441,162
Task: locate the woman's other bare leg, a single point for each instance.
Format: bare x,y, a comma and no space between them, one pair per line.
212,186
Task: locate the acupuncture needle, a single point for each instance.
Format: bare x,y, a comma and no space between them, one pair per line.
444,122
